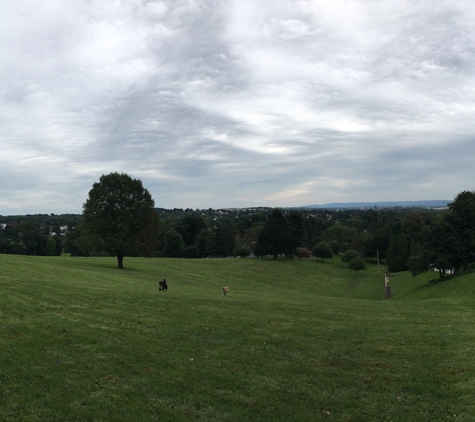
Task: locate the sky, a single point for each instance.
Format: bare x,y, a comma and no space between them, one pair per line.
236,103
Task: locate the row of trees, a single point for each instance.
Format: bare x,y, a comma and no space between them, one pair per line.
29,238
448,244
119,219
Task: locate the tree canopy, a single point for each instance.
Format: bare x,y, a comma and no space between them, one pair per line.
322,250
173,244
357,264
119,218
406,238
276,237
450,242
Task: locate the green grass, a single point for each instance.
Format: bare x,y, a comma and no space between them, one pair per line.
294,341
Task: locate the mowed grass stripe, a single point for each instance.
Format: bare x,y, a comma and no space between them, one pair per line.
294,340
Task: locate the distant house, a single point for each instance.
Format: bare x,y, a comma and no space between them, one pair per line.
303,252
64,230
3,225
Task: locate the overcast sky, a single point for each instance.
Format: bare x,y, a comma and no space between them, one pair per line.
236,103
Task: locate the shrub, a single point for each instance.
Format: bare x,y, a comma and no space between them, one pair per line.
322,250
349,255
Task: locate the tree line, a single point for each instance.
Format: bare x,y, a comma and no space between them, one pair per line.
38,234
120,219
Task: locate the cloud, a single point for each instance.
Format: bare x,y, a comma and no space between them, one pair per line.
235,103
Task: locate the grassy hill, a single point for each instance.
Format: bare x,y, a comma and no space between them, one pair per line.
293,341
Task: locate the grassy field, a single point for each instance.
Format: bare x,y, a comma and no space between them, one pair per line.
293,341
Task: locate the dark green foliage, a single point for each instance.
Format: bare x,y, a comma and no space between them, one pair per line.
418,236
73,244
378,242
173,244
59,241
397,254
263,247
28,238
356,222
295,220
450,243
276,237
462,218
357,264
251,236
50,246
34,241
348,255
366,231
190,252
322,250
413,227
203,243
446,249
243,251
223,241
3,242
13,241
119,218
314,228
419,259
342,235
189,228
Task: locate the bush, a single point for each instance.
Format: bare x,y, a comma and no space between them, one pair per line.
349,255
242,251
357,264
322,250
173,244
190,252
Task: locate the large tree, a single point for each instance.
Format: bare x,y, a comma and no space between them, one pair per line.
203,243
341,234
276,237
357,264
419,260
33,239
73,243
322,250
295,220
445,248
223,240
462,218
173,244
397,253
119,218
189,228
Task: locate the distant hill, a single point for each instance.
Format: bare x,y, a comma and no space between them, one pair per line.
436,203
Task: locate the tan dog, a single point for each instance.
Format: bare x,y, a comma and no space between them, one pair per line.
225,290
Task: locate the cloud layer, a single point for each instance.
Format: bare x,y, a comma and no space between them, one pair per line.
236,103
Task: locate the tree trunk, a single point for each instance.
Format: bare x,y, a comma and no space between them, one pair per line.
120,261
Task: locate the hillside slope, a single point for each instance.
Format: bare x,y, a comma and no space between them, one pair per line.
294,340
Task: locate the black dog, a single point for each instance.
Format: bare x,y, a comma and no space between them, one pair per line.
162,285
